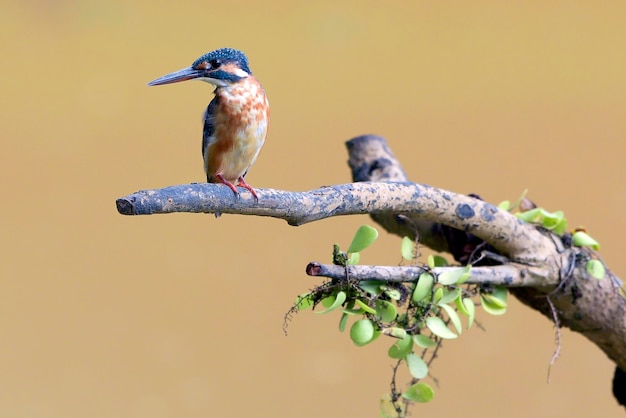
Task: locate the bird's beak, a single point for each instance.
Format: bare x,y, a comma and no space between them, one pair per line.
188,73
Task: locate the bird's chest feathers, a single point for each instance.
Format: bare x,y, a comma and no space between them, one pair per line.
240,122
242,107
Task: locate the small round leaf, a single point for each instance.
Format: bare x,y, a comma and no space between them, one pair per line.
401,348
596,269
353,259
439,328
407,248
386,311
339,300
460,306
423,341
450,276
490,307
454,317
498,297
504,205
419,392
417,366
343,322
362,332
304,301
471,311
450,295
582,239
363,238
438,295
395,332
423,288
371,286
387,409
392,293
364,306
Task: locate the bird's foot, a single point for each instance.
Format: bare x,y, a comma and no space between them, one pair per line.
242,183
227,183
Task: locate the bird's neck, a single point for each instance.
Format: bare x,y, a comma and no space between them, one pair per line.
236,95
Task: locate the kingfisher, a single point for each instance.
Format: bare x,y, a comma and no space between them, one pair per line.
236,120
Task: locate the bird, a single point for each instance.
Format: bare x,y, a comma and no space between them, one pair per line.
236,120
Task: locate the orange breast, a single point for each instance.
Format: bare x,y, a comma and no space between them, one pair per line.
240,126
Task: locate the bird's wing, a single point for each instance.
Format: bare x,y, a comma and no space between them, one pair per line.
209,127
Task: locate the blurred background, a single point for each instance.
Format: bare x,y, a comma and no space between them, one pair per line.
103,315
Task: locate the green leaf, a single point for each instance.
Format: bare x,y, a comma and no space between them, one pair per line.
459,305
364,306
596,269
343,322
450,276
552,220
339,300
353,259
401,348
438,261
454,317
438,294
350,309
328,301
386,311
356,311
407,248
465,276
560,227
439,328
504,205
582,239
417,366
419,392
530,216
498,297
423,341
364,237
391,292
490,308
450,295
395,332
362,332
495,303
372,286
423,288
471,309
388,410
304,301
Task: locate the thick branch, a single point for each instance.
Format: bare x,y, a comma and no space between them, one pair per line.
592,307
502,230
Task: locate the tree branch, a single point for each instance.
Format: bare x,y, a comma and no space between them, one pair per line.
592,307
396,200
510,275
595,308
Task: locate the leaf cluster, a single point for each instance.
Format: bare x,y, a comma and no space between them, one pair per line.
417,314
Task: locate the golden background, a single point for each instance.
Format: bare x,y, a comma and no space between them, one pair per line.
180,316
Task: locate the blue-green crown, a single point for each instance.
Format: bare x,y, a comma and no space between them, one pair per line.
225,56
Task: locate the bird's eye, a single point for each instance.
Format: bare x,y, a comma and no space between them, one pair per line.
215,63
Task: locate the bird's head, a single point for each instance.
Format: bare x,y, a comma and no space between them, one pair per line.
221,67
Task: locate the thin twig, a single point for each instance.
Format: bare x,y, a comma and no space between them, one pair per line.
510,275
